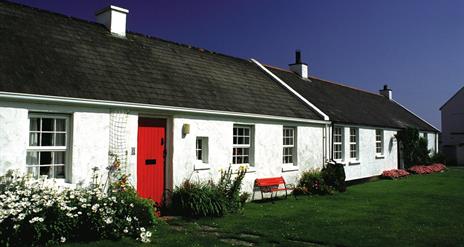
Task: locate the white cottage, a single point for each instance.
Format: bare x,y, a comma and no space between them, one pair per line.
72,92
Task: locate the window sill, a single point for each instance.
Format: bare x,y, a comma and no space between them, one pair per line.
289,168
201,166
379,156
354,162
250,169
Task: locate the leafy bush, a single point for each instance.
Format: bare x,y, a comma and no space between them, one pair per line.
414,147
394,173
196,199
313,183
334,176
38,212
438,158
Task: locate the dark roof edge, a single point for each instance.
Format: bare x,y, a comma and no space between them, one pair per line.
376,126
414,114
454,95
109,103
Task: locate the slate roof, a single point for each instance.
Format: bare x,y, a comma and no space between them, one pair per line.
347,105
51,54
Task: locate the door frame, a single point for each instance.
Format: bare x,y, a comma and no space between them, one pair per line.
168,169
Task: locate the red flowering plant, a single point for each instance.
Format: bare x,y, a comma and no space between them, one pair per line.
394,173
427,169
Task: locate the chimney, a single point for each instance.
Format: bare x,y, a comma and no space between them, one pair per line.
299,67
114,18
386,92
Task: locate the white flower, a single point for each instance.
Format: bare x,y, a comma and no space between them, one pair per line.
129,219
62,239
108,220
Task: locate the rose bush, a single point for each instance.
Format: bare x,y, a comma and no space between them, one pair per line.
36,212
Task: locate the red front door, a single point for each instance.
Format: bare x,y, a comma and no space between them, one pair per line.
151,145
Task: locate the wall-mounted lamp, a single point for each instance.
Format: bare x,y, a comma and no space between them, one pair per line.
185,129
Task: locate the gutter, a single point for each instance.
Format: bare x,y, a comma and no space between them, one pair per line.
106,103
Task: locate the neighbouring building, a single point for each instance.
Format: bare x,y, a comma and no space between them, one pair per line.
452,126
75,94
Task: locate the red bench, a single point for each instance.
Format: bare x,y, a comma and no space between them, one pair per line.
271,185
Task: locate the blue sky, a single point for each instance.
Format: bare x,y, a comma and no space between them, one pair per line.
414,46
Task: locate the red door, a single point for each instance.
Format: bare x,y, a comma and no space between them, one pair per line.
151,142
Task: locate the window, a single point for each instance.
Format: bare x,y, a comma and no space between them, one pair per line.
201,149
353,143
242,144
48,145
288,145
337,143
379,142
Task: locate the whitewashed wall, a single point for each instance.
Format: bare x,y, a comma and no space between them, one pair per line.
89,137
368,163
14,138
267,150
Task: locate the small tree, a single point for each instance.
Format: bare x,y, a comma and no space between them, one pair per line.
413,147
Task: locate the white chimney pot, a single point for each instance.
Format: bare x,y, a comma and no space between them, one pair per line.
114,18
386,92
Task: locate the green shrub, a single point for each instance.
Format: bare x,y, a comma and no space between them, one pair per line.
334,176
438,158
414,148
313,182
195,199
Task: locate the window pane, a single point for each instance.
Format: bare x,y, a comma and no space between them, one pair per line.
240,140
34,124
60,158
60,125
247,131
32,158
240,131
47,124
59,171
246,140
47,139
45,158
60,139
34,139
45,170
34,171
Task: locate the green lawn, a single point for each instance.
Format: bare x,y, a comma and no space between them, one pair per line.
423,210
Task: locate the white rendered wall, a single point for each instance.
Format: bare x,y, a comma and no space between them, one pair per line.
267,150
368,163
14,138
89,137
90,144
452,120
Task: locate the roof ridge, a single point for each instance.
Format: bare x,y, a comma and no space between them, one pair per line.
130,32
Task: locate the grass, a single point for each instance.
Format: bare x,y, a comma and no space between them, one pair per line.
422,210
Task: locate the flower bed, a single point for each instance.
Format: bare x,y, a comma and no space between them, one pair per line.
394,173
35,212
427,169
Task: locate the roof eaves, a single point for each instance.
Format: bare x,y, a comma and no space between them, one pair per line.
416,115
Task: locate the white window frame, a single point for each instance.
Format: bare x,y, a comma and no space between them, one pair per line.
354,143
53,149
379,142
287,146
204,149
338,143
242,146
